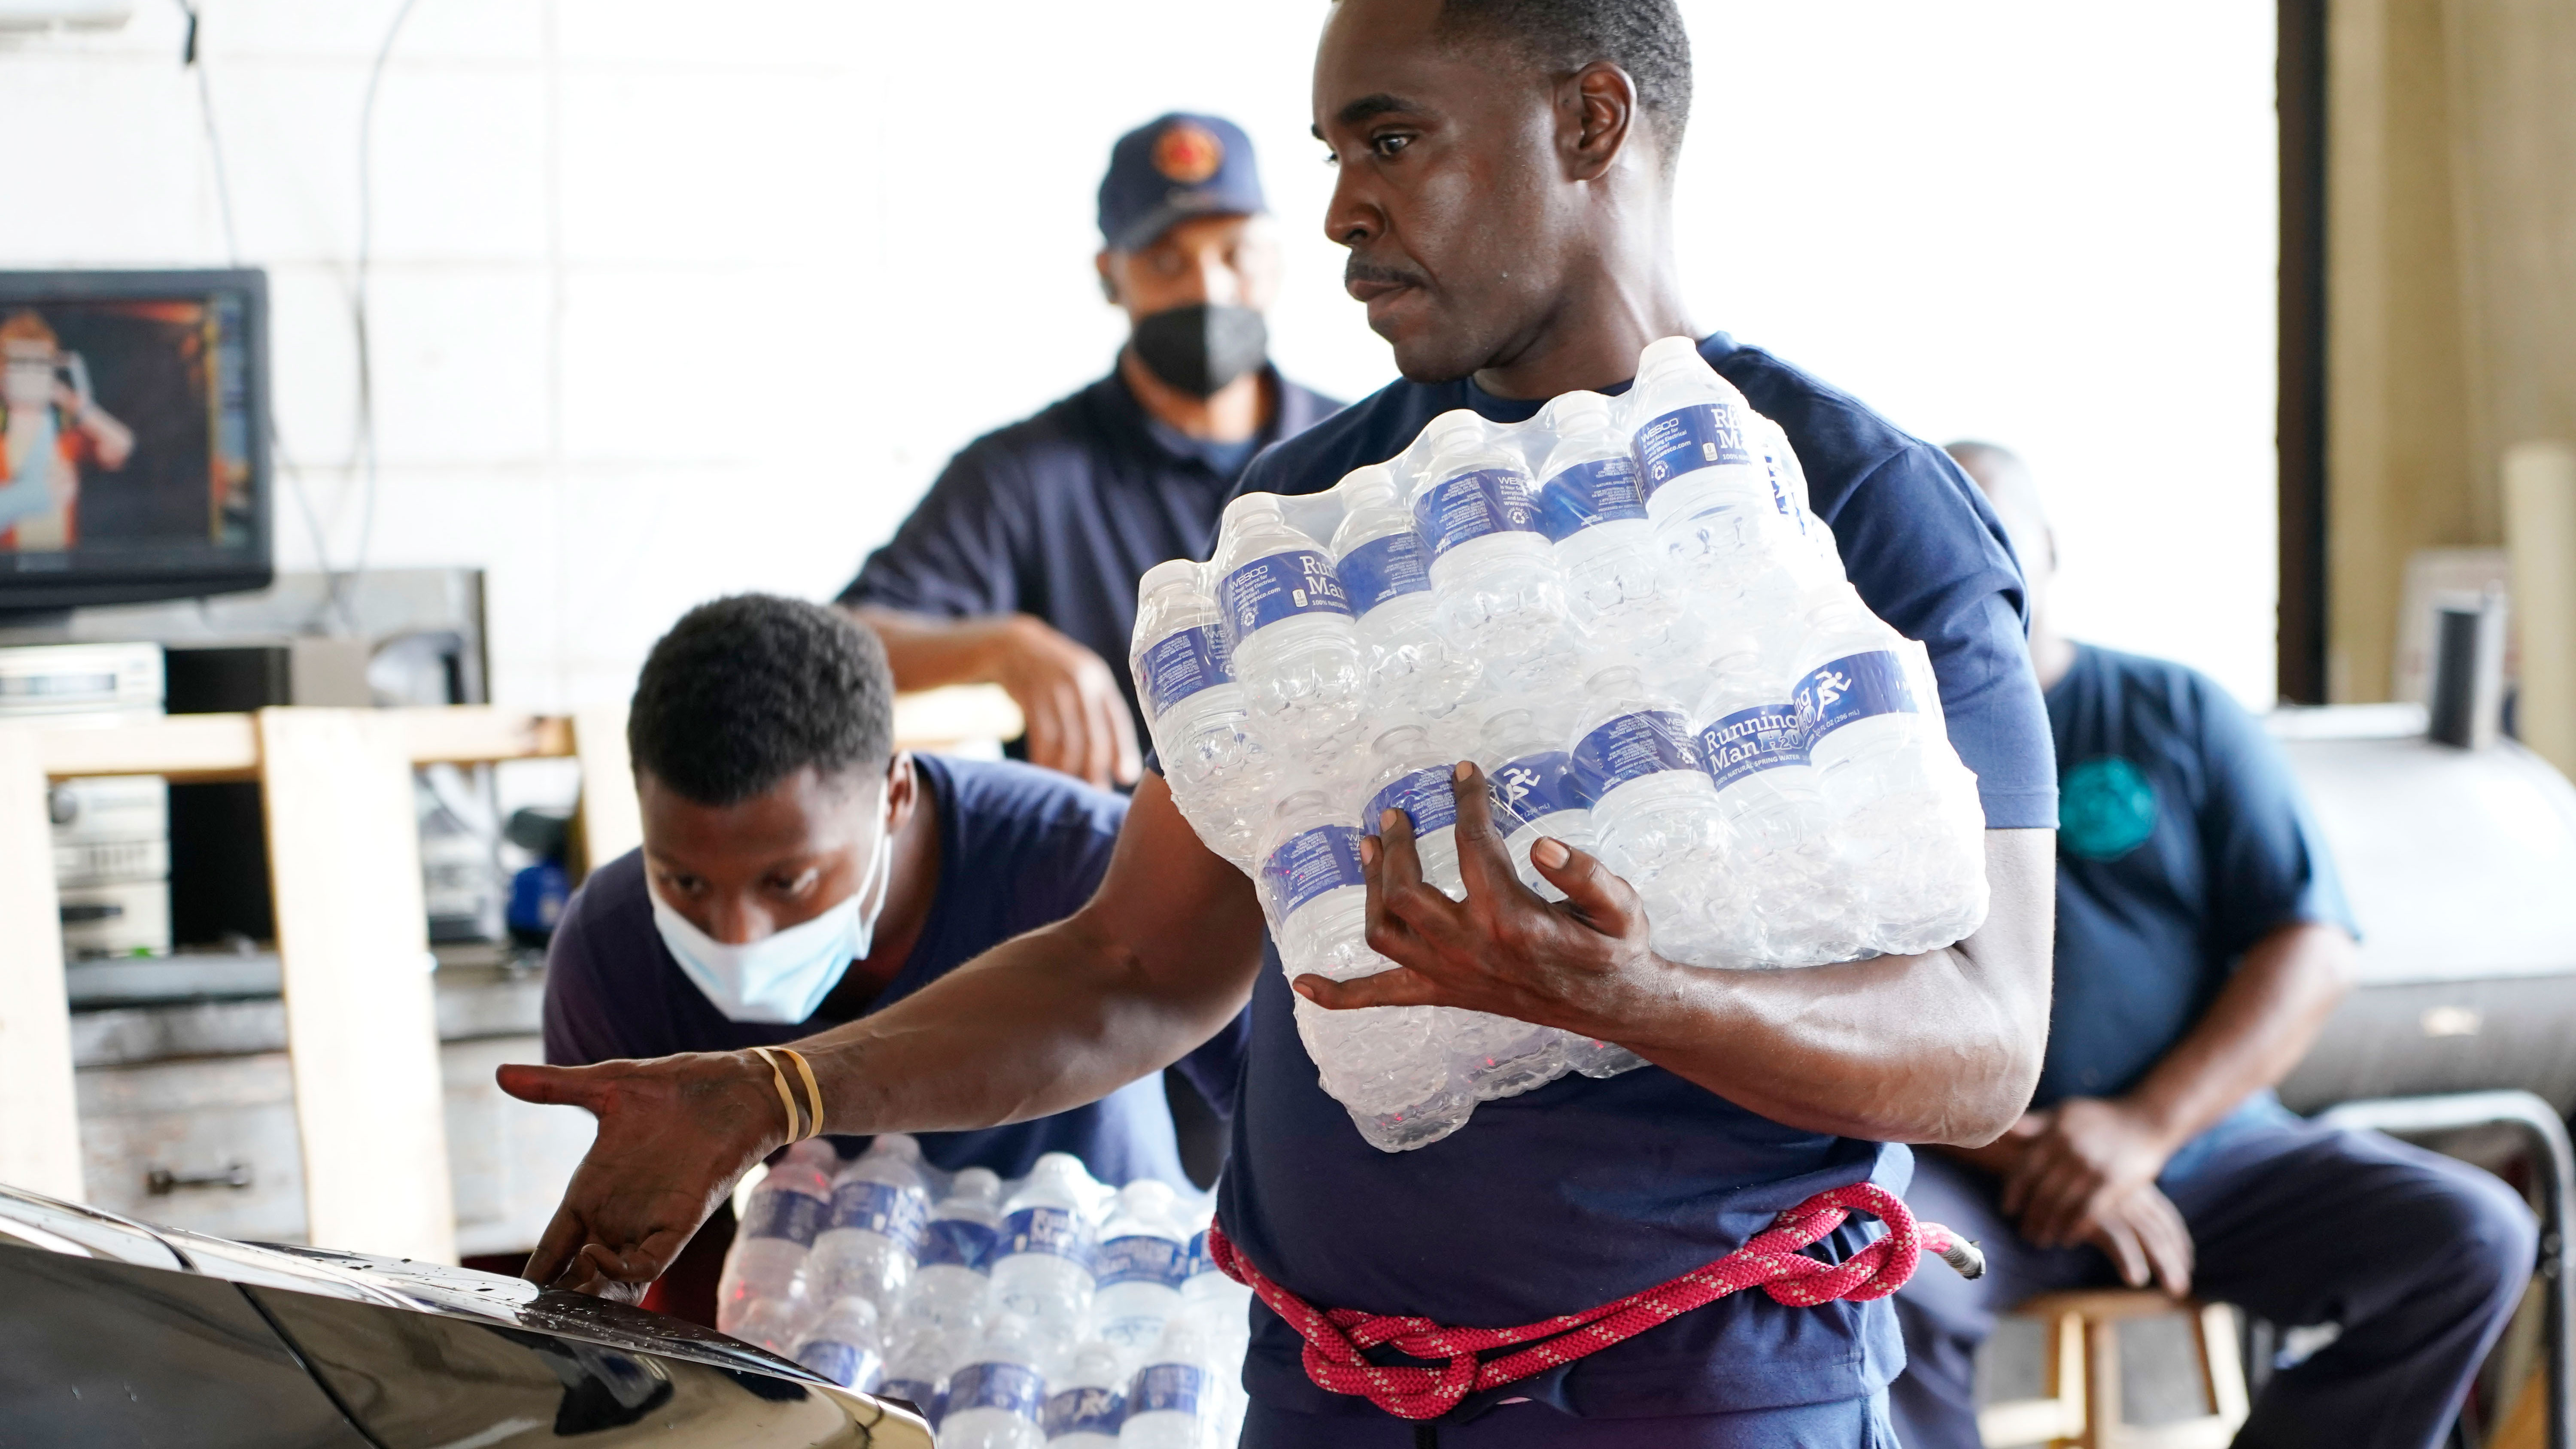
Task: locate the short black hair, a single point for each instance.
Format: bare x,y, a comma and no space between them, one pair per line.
1645,38
748,690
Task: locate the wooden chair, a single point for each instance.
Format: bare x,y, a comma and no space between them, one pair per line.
2081,1379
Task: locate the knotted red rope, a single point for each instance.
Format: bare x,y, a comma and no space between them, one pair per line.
1771,1260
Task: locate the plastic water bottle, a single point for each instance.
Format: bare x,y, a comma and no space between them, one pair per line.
1654,810
917,1369
1904,808
1495,589
1722,525
871,1238
776,1324
1288,629
1530,776
1500,1056
1594,509
1789,480
994,1400
952,1286
1376,1061
779,1225
845,1347
1144,1256
1413,668
1220,1305
1173,1402
1085,1409
1197,710
1042,1268
1406,773
1755,750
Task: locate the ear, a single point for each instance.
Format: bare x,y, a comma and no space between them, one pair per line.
2050,534
1108,279
1596,116
902,792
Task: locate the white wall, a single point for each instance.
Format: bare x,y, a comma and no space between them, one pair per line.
676,299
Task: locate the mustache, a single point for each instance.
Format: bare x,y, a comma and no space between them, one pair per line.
1356,271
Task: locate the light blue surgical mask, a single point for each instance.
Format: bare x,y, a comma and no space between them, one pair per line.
784,976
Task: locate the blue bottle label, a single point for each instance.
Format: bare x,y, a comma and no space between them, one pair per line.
957,1243
1631,747
1053,1231
1532,788
1602,491
1084,1411
1703,435
1307,865
1780,498
1473,505
848,1365
1752,739
1013,1388
1143,1258
1199,1261
1169,1388
1425,797
919,1393
1382,569
1281,586
789,1215
899,1213
1179,665
1854,687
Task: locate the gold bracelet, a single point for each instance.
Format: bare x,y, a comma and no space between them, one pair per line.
813,1091
786,1099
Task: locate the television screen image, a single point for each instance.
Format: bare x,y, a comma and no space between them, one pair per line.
133,427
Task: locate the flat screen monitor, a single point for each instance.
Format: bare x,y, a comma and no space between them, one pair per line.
133,437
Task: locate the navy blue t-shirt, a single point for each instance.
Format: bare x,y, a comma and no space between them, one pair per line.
2182,840
1018,848
1583,1191
1058,515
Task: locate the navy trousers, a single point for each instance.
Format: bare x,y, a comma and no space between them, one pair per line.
2417,1258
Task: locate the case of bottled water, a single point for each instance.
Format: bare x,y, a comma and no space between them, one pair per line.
1036,1308
1627,613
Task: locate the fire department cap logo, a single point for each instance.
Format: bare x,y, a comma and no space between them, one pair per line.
1188,153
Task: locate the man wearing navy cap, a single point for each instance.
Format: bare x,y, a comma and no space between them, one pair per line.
1019,567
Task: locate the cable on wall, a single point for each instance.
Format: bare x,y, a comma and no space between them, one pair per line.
191,59
358,303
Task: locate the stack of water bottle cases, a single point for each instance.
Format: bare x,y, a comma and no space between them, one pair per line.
1625,613
1050,1312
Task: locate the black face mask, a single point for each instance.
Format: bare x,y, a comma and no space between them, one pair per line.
1201,347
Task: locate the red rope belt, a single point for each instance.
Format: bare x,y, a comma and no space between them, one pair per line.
1771,1261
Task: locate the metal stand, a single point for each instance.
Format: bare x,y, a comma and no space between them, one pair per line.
2555,1164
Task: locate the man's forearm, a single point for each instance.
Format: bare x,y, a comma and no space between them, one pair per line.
928,652
1157,962
1041,1024
2253,1035
1944,1047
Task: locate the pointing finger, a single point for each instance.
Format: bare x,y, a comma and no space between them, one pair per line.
550,1086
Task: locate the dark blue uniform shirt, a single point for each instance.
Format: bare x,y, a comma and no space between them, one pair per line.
2182,840
1060,514
1018,848
1584,1191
